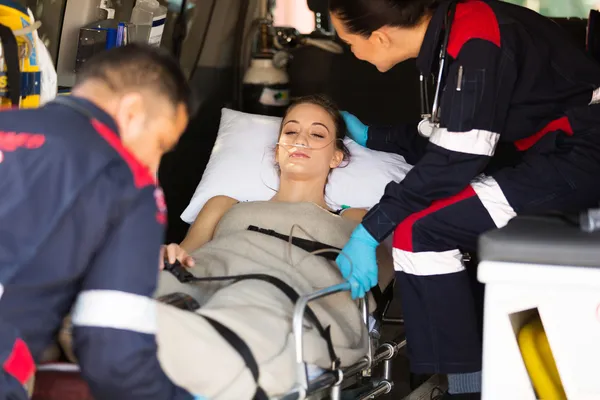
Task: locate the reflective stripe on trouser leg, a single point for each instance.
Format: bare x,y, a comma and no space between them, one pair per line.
439,310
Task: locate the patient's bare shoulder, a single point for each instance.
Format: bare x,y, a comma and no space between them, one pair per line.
220,203
354,214
213,211
203,228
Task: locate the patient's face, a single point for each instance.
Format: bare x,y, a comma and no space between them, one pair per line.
311,128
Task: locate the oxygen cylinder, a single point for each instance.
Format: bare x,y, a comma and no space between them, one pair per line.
266,88
15,17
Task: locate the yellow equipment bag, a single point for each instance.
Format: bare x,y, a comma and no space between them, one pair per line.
20,77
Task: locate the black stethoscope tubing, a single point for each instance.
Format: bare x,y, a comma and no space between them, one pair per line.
432,115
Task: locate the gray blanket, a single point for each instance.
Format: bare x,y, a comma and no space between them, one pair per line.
194,355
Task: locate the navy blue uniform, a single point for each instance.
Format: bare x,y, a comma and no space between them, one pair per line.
519,132
81,224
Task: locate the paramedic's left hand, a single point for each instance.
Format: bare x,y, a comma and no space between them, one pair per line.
362,273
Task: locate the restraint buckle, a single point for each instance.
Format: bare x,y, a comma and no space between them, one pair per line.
180,300
182,275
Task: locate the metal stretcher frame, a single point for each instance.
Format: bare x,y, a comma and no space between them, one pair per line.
337,380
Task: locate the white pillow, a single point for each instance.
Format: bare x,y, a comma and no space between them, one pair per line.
242,162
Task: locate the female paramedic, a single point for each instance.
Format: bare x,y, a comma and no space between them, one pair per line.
514,128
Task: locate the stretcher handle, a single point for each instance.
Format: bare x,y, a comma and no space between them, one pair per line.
298,329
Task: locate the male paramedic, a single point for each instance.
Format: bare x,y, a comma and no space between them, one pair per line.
517,131
81,223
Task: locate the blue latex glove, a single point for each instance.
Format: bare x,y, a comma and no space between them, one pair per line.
361,249
357,131
200,398
175,5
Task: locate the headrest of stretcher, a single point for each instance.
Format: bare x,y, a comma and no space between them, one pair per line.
242,166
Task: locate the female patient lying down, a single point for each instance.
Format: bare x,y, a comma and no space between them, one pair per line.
219,243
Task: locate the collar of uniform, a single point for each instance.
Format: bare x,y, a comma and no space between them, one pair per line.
88,109
92,110
429,53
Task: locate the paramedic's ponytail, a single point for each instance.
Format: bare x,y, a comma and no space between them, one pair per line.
363,17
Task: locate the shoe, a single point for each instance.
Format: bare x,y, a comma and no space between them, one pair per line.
438,394
416,380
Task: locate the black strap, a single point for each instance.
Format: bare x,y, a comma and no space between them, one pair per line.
11,59
377,295
307,245
312,246
185,276
243,350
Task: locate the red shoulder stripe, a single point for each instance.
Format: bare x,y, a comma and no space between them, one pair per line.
141,175
474,19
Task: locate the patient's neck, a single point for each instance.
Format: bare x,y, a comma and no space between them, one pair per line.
300,191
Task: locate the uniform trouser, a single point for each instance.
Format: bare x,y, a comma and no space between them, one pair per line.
443,334
18,367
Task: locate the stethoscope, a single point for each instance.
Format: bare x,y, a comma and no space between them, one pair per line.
431,117
73,105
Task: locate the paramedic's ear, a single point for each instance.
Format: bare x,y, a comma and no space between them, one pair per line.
337,159
130,116
380,38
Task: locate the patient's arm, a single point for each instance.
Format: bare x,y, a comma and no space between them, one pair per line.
354,214
200,233
203,228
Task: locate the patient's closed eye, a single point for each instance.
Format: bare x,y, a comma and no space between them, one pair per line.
314,135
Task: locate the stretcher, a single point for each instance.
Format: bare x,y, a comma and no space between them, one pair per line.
357,379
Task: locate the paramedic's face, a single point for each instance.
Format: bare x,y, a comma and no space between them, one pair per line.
150,130
384,48
313,130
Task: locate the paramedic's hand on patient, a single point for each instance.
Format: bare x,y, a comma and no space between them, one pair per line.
174,252
362,273
357,131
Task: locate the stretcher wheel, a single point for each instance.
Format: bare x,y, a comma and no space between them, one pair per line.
539,361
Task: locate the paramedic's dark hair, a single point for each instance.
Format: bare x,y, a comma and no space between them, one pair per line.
363,17
138,66
334,112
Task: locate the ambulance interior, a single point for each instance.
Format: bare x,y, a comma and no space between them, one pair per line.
217,42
